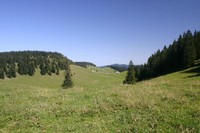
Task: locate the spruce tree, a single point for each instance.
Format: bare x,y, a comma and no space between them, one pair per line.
13,71
2,75
57,70
130,78
42,69
31,68
8,71
67,83
197,43
20,68
189,55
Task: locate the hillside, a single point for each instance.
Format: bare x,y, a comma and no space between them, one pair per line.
118,67
100,103
25,63
105,70
84,64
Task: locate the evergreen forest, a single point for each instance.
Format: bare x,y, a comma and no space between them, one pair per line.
181,54
25,63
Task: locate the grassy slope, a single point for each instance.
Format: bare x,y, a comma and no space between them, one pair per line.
100,103
105,70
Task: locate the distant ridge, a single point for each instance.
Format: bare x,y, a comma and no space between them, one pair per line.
118,67
84,64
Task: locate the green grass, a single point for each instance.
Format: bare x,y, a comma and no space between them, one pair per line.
105,70
100,103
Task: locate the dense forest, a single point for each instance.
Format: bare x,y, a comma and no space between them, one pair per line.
119,67
180,55
25,63
84,64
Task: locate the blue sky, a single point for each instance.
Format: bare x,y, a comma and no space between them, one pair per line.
100,31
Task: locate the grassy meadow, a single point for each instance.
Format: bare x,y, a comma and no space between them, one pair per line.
99,102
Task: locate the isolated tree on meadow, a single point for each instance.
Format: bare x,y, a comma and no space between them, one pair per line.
67,83
131,75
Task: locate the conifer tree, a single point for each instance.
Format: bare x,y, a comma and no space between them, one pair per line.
67,83
197,43
53,69
57,70
8,71
42,69
189,55
20,68
13,71
2,75
31,68
130,78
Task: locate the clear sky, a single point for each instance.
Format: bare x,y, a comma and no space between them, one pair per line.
100,31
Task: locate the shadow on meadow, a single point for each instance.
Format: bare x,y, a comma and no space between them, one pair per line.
195,71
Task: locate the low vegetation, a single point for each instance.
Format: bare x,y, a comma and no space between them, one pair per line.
100,103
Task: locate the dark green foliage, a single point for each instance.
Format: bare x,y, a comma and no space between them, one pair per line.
25,62
53,67
131,74
197,43
119,67
67,83
57,70
2,75
189,53
31,69
178,56
21,68
42,69
84,64
10,70
13,71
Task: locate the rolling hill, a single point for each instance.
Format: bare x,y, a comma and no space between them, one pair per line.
99,102
118,67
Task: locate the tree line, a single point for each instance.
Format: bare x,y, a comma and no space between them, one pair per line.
180,55
25,63
84,64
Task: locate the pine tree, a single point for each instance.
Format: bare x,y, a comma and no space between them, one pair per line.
2,75
42,69
197,43
20,68
130,78
13,71
67,83
53,69
189,55
8,71
31,68
57,70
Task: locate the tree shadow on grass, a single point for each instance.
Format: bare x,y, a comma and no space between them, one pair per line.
195,71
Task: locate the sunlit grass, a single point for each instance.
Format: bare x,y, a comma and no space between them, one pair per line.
99,102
